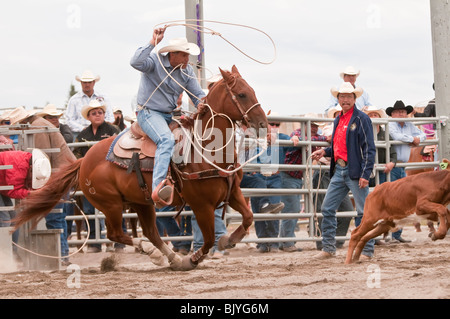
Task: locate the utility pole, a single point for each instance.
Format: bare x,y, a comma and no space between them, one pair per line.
440,32
194,11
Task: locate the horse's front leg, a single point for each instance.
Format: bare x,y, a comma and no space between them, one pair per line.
156,249
238,203
204,216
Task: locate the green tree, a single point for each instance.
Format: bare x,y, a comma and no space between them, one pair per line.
72,92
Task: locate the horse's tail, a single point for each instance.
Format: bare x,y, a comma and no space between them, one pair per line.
39,203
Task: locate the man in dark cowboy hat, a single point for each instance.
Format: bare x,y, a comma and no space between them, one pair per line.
408,133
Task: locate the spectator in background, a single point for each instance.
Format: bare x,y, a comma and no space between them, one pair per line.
294,180
259,204
29,171
118,119
44,141
73,115
51,114
98,130
350,74
408,133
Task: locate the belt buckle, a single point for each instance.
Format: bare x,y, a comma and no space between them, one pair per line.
341,162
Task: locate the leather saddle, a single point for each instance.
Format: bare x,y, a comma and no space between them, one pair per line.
135,140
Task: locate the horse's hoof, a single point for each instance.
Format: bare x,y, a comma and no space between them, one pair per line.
176,263
187,263
157,258
224,243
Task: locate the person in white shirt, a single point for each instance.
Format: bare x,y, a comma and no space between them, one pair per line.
350,74
74,119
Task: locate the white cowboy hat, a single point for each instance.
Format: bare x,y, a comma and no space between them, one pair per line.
19,114
117,109
87,76
93,104
41,168
350,71
374,109
181,44
347,87
49,109
131,118
333,110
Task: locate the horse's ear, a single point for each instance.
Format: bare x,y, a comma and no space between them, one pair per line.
225,75
234,70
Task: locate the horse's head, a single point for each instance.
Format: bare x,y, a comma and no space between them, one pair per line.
237,99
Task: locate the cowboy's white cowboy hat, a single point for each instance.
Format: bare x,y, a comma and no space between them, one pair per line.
374,109
19,114
41,168
49,109
87,76
350,71
181,44
333,110
347,87
93,104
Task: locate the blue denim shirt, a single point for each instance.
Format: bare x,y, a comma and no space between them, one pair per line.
154,75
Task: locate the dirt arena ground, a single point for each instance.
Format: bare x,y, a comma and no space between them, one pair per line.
419,270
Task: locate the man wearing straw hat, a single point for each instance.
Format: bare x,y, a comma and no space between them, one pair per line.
163,79
352,153
73,115
350,74
51,114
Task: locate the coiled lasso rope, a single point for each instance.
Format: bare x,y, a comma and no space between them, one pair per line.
206,30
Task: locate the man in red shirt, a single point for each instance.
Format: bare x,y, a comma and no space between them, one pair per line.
352,153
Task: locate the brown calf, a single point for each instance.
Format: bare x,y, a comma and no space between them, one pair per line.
427,194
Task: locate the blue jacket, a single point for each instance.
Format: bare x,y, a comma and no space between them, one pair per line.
360,146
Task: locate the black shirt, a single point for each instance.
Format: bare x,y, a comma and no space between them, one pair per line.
105,130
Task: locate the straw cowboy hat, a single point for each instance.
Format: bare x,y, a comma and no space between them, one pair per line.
131,118
5,115
399,105
350,71
49,109
347,87
94,104
374,109
41,168
19,114
87,76
333,110
181,44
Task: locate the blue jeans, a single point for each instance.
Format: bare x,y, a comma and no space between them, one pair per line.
322,180
89,209
170,225
339,187
58,221
291,205
220,229
266,228
397,173
156,126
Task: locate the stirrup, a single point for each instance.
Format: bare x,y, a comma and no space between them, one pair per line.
162,195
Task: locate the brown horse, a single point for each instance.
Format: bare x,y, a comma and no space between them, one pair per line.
109,187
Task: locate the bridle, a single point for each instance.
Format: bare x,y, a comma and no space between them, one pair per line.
243,112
